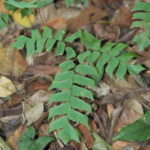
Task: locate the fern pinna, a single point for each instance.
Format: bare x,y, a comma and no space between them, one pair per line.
79,75
142,20
38,42
3,20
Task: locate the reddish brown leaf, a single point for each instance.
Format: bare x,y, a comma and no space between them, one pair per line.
13,140
57,23
87,136
44,69
88,15
123,17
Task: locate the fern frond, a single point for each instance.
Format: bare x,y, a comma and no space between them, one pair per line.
3,20
38,41
142,18
72,84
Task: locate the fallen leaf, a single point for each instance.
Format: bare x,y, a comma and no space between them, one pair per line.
88,15
14,138
87,136
11,62
6,87
121,145
44,69
26,21
57,23
100,144
40,96
37,85
51,12
105,31
32,114
2,8
132,111
123,17
3,145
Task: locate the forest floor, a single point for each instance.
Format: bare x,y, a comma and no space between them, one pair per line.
24,81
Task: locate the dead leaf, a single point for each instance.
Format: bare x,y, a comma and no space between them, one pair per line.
57,23
51,12
33,113
104,31
87,136
132,111
44,69
6,87
14,138
11,62
123,17
3,145
121,145
2,8
40,96
37,85
88,15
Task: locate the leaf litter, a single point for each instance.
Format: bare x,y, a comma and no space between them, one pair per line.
117,103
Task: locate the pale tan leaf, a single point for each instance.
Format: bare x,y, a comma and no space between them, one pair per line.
6,87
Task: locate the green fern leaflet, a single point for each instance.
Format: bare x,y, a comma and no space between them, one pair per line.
142,21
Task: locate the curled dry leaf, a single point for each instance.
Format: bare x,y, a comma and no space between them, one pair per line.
51,12
44,69
12,62
57,23
123,17
2,8
105,31
121,145
14,138
32,114
88,15
3,145
40,96
37,85
87,136
132,111
6,87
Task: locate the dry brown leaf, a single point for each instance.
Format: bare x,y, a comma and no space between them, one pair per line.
3,145
33,112
88,15
105,32
2,8
6,87
44,69
11,62
87,136
51,12
123,17
121,145
132,111
37,85
57,23
13,139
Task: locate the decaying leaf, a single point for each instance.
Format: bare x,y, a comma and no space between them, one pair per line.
100,144
3,145
86,135
88,15
2,8
13,139
32,114
11,61
6,87
57,23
